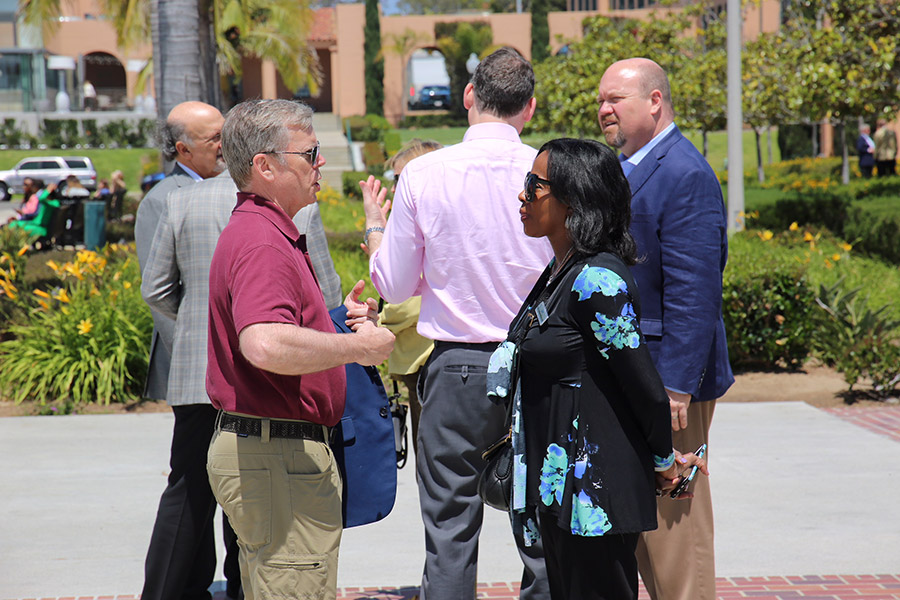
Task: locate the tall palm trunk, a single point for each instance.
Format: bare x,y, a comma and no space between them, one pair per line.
184,54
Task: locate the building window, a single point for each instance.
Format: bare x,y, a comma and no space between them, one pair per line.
582,4
630,4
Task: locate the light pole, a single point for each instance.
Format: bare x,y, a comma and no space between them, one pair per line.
735,120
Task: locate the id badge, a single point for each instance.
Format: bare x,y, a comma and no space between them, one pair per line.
541,312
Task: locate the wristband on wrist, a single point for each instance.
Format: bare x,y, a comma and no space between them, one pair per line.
371,230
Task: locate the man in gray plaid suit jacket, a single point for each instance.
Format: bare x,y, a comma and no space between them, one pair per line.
176,284
191,136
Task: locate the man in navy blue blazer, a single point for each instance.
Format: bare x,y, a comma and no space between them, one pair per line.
679,223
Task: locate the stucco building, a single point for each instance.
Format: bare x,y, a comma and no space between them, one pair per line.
88,39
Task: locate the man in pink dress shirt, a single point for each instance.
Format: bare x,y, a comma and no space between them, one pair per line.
456,239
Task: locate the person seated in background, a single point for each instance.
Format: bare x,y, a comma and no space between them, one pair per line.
74,190
31,190
411,350
102,193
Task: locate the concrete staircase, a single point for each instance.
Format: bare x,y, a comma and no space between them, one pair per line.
334,148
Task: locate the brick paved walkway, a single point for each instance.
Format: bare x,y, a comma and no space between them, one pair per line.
811,587
884,420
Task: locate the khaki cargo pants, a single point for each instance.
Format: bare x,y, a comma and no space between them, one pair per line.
283,499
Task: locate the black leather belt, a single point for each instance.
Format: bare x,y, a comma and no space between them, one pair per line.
277,429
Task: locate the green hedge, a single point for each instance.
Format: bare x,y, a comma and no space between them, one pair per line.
433,120
767,305
368,128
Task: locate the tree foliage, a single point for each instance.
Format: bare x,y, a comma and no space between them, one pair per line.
269,30
766,92
842,55
699,82
540,31
457,41
566,85
437,7
374,60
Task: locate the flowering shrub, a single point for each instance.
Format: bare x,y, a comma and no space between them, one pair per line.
772,316
84,340
14,243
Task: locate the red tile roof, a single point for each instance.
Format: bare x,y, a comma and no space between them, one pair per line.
322,29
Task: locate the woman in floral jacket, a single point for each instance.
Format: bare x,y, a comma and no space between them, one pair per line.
591,429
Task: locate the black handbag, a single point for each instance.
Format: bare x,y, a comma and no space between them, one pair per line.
496,479
495,482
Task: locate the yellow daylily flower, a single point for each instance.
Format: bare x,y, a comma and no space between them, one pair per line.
85,327
53,265
794,226
22,251
846,247
44,305
72,269
126,285
766,235
41,293
807,237
9,289
835,257
63,296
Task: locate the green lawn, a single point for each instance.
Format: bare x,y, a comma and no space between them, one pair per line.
130,161
717,140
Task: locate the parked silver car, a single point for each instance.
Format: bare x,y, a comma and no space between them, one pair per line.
50,169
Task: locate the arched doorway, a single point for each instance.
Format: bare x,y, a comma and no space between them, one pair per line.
107,76
427,82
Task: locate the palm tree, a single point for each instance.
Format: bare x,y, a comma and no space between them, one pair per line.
402,44
269,30
184,60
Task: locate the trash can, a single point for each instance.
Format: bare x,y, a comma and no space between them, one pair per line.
94,224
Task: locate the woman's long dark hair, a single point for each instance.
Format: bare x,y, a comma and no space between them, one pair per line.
587,176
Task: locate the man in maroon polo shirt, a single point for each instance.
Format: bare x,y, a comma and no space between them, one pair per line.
275,363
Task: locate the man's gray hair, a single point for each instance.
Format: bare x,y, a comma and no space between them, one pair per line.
167,134
258,126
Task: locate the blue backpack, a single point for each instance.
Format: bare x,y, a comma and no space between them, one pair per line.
363,443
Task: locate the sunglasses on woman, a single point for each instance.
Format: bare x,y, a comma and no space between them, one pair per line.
531,183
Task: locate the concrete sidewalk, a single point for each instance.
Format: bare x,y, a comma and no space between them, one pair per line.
797,492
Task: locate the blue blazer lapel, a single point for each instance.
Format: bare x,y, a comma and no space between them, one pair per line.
641,173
